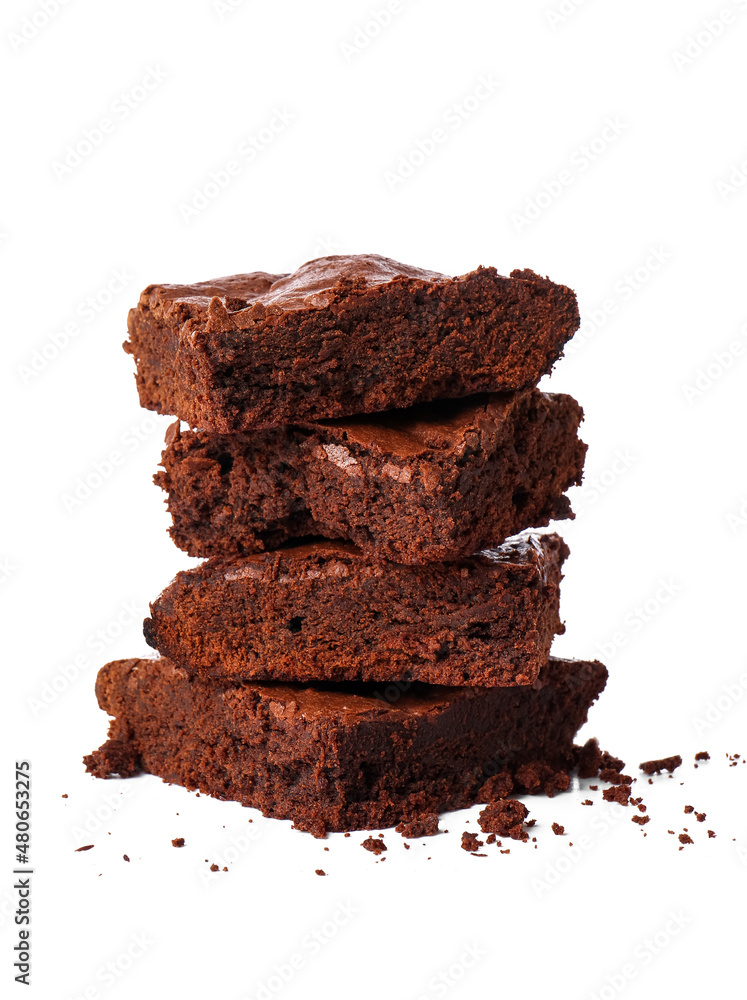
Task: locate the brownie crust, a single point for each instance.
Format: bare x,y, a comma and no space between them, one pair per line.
324,612
435,482
339,759
342,335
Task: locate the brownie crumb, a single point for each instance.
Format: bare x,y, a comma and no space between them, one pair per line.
470,842
225,869
617,793
711,833
407,847
587,802
529,823
421,826
319,871
178,842
662,764
125,857
490,839
374,844
86,848
507,851
114,757
593,788
684,838
641,820
505,818
558,830
614,763
702,755
700,817
214,868
64,795
689,809
613,777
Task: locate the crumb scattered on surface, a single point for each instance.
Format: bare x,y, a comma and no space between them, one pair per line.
587,802
214,868
86,848
711,833
505,818
685,838
661,764
702,755
617,793
64,795
640,820
374,844
689,809
470,842
558,830
125,857
177,842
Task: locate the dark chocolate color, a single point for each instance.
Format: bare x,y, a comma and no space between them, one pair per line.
324,612
340,336
435,482
340,758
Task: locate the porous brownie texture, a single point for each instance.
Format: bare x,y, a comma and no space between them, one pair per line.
434,482
325,612
340,758
342,335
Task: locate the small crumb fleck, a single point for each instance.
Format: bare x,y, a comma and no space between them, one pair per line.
689,809
587,802
86,848
640,820
64,795
711,833
558,830
177,842
661,764
214,868
125,857
470,842
700,817
685,839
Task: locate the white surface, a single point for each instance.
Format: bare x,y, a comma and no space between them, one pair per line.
672,469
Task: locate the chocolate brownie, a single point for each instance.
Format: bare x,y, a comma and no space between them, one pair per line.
340,758
325,612
434,482
342,335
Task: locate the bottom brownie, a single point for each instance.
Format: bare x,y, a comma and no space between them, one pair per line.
347,757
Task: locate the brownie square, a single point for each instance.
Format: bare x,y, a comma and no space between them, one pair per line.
342,335
435,482
326,612
347,758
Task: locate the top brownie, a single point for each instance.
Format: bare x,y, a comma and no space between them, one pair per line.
343,335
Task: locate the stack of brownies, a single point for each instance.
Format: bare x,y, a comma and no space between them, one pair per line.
363,646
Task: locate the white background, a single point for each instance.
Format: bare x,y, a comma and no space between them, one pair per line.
659,367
